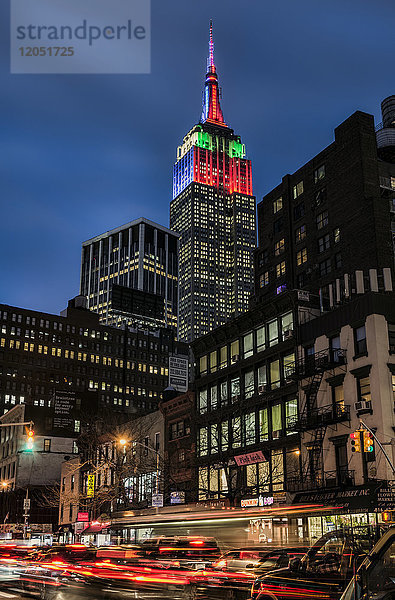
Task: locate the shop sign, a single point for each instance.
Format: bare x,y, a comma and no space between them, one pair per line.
83,517
177,497
178,373
303,295
90,491
250,459
260,501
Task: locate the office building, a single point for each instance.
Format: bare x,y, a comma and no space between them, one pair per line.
334,217
213,210
140,255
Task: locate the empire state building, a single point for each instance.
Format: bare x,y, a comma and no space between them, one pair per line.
213,210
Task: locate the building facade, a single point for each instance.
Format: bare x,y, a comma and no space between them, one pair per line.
42,353
140,255
213,210
334,216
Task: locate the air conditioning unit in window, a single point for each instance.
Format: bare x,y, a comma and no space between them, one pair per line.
235,357
363,405
288,334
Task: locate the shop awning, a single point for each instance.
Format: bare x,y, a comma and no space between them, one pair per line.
96,528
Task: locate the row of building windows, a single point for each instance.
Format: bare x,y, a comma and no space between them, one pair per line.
265,336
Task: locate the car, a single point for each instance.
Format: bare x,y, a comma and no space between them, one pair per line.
193,552
375,578
323,572
234,573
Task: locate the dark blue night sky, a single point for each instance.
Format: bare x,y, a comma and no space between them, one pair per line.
83,154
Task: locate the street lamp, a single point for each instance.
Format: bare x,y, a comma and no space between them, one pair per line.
4,484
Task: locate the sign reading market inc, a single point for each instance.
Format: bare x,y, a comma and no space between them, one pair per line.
250,459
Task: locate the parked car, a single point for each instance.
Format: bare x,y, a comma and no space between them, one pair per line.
375,578
323,572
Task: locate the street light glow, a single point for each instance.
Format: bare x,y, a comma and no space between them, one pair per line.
123,442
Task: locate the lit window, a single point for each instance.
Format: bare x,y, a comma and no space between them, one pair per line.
301,257
319,173
280,269
248,345
264,279
300,233
277,205
279,247
298,189
336,235
322,220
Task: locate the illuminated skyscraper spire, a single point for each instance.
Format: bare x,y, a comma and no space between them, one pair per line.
212,112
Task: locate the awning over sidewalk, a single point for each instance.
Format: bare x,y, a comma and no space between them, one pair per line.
96,528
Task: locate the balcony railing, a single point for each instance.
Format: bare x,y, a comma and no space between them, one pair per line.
319,362
329,414
327,480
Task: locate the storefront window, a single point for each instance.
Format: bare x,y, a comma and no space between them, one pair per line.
249,384
251,479
263,425
213,482
223,481
203,483
264,477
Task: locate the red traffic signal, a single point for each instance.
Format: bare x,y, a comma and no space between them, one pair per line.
355,441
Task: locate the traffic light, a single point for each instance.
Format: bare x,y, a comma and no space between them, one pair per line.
355,441
367,442
30,440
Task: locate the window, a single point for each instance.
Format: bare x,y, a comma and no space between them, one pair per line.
322,220
223,360
301,257
203,365
249,428
277,470
213,397
263,258
287,323
360,340
77,426
260,338
248,345
203,441
280,269
72,482
272,328
224,435
289,365
47,446
278,225
224,393
264,279
262,381
276,421
391,336
279,247
324,243
275,374
298,189
325,267
364,388
235,389
320,197
277,205
213,361
336,235
263,425
249,384
203,401
338,260
334,344
298,211
236,432
319,173
234,351
300,233
214,439
291,414
338,396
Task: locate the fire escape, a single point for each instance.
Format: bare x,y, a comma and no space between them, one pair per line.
313,420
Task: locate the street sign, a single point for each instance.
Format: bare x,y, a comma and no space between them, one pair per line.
90,491
157,500
26,504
